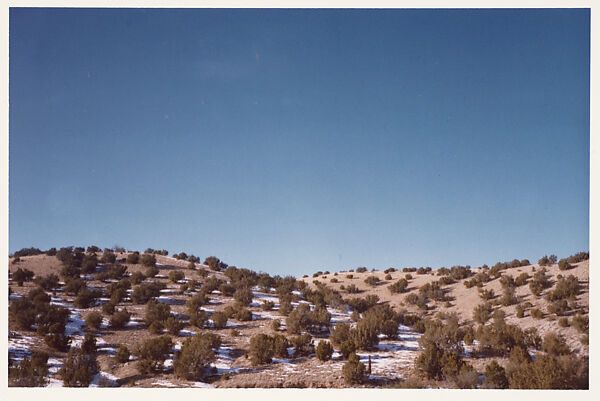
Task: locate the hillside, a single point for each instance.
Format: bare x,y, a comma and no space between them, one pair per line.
237,305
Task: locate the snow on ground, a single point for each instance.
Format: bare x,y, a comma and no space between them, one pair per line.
224,360
104,347
202,385
108,379
168,300
164,383
265,297
54,365
19,346
14,296
393,356
52,382
134,322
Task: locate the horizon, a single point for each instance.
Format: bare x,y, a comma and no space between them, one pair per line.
291,141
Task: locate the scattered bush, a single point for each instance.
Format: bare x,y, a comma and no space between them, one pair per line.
219,320
399,286
353,370
495,376
93,320
122,354
537,314
176,275
195,356
152,354
324,351
261,349
31,372
119,319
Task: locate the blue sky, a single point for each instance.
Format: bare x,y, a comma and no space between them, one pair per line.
291,141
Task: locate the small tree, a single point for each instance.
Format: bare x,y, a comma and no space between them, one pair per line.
353,370
195,356
176,275
122,354
495,376
324,350
261,349
219,320
152,354
78,368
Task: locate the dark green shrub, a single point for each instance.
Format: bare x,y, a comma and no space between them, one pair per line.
78,368
275,324
372,280
156,312
520,311
554,344
136,278
324,351
108,256
486,294
88,346
219,320
303,345
399,286
482,313
559,307
261,349
581,323
31,372
145,291
563,264
495,376
173,325
563,322
119,319
151,271
152,354
21,275
176,275
93,320
195,356
565,288
48,282
243,295
521,279
122,354
280,346
85,298
214,263
267,305
109,308
156,327
148,260
133,258
353,370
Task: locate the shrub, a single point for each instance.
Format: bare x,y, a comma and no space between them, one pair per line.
565,288
108,308
195,356
133,258
347,348
93,320
275,324
537,314
581,323
176,275
31,372
563,264
21,275
85,298
372,280
353,370
136,278
303,345
151,271
145,291
495,376
219,320
214,263
361,269
399,286
148,260
108,256
156,312
173,325
243,295
486,294
78,369
539,282
563,322
88,345
554,344
559,307
122,354
119,319
156,327
509,297
152,354
261,349
482,313
520,311
198,317
324,351
243,314
521,279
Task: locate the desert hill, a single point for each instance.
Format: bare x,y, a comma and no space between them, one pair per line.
263,331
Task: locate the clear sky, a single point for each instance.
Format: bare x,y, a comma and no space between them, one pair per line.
291,141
